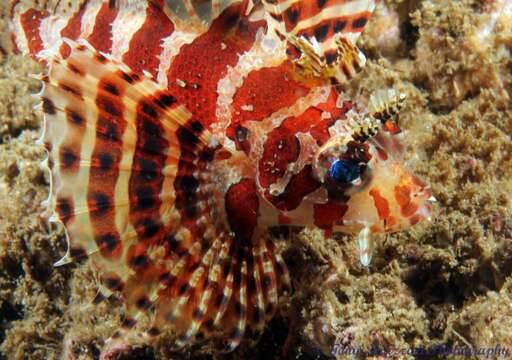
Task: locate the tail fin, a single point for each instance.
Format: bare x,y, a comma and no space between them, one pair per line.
129,185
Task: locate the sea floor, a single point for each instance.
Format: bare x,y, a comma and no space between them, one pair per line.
447,282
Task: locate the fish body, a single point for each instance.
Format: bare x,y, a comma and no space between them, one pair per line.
179,132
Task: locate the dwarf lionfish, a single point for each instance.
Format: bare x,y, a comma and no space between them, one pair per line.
178,132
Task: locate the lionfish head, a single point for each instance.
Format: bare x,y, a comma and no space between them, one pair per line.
370,179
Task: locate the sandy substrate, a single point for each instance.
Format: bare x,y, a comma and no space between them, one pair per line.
447,282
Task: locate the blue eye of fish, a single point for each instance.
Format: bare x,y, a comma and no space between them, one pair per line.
344,171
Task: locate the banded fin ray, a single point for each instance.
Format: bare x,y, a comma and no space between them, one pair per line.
91,106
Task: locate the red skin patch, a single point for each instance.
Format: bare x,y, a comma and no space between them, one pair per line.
329,214
223,155
30,21
201,64
281,149
320,130
101,36
381,203
299,186
72,30
144,50
310,121
242,208
410,209
403,197
267,90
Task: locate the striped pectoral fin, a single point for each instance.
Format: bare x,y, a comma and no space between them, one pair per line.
110,134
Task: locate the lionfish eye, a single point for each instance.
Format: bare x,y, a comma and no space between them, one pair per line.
344,171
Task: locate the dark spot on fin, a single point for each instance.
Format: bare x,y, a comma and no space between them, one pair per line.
292,14
321,32
359,23
48,106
